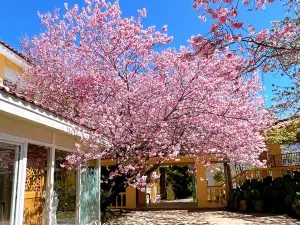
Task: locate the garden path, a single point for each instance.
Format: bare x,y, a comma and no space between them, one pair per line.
182,217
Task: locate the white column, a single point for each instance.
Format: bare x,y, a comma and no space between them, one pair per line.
99,189
78,187
50,184
21,179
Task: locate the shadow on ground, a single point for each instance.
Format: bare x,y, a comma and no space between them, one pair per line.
194,217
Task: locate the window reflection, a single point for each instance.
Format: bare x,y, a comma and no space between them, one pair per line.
64,203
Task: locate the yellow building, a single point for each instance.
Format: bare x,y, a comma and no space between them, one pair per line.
34,133
282,158
208,196
34,188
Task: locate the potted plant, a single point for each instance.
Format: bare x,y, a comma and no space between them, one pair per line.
245,195
257,189
236,197
296,204
257,201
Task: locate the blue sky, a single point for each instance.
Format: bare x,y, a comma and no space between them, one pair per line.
19,17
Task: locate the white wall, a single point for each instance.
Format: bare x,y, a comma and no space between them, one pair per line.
210,178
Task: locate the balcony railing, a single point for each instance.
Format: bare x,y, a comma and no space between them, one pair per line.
284,160
120,201
256,173
216,194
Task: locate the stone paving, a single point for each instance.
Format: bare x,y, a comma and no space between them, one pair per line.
180,217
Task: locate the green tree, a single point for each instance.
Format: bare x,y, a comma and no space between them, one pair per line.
181,181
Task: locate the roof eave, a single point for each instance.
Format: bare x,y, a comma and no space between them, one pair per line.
12,56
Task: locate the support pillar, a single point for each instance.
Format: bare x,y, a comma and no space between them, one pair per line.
276,172
130,197
99,190
141,199
170,193
152,192
275,151
228,182
201,185
50,217
157,182
163,188
264,174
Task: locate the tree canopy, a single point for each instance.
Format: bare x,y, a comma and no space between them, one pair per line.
106,73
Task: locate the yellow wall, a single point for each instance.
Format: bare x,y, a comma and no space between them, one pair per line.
10,65
141,198
274,149
201,185
130,197
170,193
2,66
6,63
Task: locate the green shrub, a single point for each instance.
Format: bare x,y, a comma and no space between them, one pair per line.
219,176
237,196
181,181
281,195
296,203
66,194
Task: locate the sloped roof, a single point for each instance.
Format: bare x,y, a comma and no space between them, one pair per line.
12,49
42,109
19,96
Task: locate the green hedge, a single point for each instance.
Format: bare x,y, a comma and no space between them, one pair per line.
181,181
281,195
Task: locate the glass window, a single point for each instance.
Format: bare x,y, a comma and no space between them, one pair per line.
89,193
9,158
64,203
35,185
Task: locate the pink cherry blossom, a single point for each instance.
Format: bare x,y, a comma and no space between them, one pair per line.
164,28
138,102
155,175
237,24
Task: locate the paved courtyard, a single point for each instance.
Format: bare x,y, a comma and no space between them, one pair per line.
179,217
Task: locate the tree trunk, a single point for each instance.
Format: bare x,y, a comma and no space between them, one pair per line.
228,182
163,188
112,197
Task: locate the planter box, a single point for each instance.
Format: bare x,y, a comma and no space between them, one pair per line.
258,205
243,205
297,211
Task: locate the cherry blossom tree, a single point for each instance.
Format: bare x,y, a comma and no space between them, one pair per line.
141,101
275,50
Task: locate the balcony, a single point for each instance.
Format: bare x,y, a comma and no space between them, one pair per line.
284,160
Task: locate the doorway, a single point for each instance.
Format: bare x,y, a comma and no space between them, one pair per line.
175,188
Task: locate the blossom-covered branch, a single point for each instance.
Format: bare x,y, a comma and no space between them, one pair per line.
105,72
